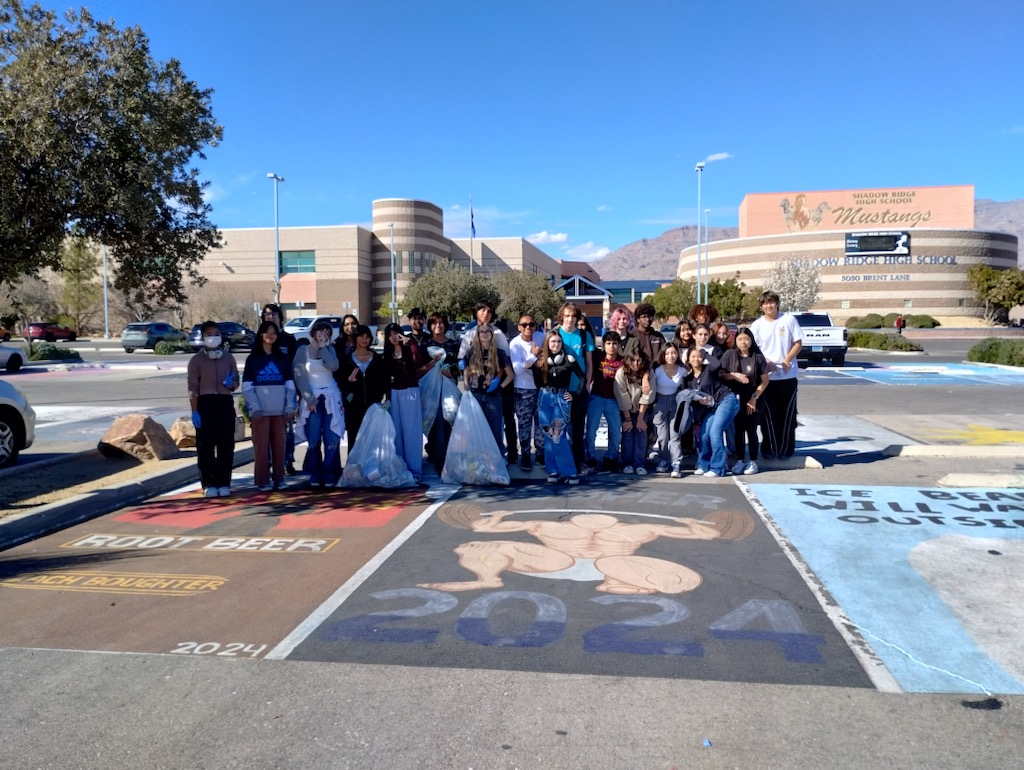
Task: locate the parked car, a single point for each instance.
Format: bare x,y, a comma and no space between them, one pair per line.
668,331
822,338
17,423
5,334
299,327
145,334
11,358
51,332
234,334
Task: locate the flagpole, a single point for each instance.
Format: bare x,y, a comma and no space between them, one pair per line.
472,233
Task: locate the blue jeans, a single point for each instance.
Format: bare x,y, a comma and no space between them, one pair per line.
711,455
634,445
608,408
322,468
553,415
491,405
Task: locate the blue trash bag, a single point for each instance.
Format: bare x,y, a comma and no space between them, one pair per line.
450,398
473,456
430,396
374,461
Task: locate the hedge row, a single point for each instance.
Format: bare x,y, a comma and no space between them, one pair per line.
47,351
879,341
888,321
169,347
994,350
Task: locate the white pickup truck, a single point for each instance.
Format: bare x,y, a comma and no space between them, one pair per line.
822,338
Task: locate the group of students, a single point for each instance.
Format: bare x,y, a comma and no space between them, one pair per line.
545,391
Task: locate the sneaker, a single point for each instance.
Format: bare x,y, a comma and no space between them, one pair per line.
641,471
663,467
512,458
591,462
290,470
653,455
698,472
751,469
525,464
572,481
552,478
628,469
224,492
539,459
265,487
710,475
739,467
211,492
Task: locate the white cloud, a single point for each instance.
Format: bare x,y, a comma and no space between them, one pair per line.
545,237
604,207
586,252
717,156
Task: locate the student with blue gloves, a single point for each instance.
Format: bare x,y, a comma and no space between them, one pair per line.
212,377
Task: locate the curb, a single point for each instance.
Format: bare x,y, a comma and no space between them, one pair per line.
47,519
954,450
995,480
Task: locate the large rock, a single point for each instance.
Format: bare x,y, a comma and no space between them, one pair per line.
183,433
140,436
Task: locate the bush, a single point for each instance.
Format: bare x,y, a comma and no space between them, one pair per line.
170,347
47,351
879,341
921,321
870,321
993,350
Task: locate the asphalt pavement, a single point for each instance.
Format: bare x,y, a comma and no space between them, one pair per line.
856,606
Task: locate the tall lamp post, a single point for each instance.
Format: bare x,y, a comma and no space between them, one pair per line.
699,168
707,256
394,300
277,241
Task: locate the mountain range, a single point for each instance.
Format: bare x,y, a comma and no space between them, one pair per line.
657,258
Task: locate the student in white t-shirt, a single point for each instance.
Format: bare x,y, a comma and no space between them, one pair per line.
524,349
779,338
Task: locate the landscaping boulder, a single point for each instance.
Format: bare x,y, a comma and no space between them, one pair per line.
139,436
183,432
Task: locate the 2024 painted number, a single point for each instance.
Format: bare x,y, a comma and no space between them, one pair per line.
549,621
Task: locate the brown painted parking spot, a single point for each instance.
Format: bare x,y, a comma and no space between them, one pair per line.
185,574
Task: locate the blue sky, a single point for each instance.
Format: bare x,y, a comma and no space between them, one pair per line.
578,123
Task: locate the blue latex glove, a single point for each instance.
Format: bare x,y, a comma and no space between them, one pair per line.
197,423
462,364
229,381
494,385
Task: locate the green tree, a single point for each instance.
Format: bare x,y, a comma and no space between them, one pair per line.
449,289
727,297
523,292
96,134
674,299
997,290
81,292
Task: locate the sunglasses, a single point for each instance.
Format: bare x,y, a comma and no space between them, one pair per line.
530,325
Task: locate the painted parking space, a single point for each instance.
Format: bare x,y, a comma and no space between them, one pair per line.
182,574
951,374
665,580
930,577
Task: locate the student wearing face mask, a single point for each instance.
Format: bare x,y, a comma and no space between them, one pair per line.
212,378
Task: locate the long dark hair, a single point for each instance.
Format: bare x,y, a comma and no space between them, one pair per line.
389,348
348,338
753,340
257,344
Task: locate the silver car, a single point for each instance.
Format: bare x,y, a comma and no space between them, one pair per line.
17,423
12,358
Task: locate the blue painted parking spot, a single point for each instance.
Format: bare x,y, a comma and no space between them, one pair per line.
939,374
930,577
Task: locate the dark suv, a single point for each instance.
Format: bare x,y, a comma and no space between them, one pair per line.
235,336
145,335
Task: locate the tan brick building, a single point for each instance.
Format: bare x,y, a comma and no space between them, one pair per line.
904,250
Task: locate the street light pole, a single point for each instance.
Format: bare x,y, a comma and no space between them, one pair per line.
277,241
699,168
394,300
707,256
